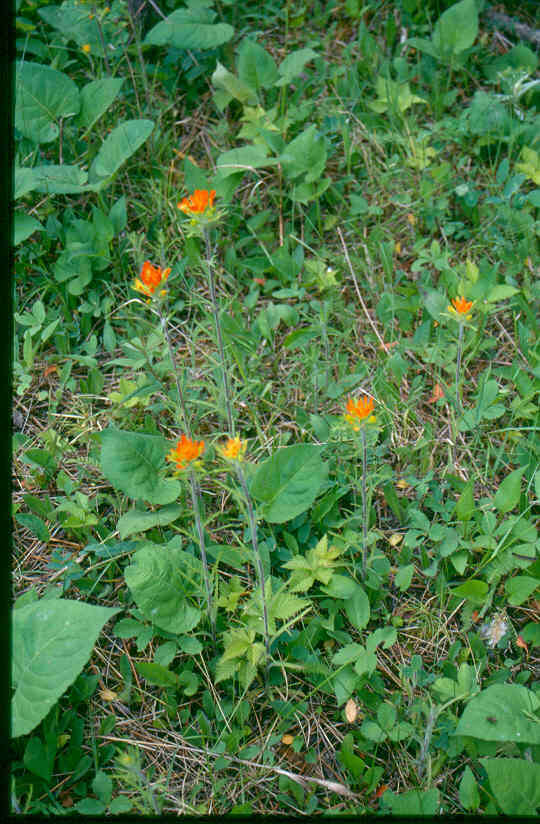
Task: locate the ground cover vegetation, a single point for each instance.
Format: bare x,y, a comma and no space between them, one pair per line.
275,410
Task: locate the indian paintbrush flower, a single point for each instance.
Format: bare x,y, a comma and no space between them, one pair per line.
461,308
186,452
359,411
151,278
234,449
198,202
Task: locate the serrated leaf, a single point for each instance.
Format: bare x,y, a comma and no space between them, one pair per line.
162,578
52,641
132,462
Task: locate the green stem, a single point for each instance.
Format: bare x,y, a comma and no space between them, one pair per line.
196,499
181,401
364,503
258,560
458,366
221,348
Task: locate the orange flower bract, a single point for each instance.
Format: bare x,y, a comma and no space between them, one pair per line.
151,279
234,449
185,452
198,202
460,306
359,410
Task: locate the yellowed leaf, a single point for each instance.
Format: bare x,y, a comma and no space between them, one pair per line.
395,539
287,739
108,695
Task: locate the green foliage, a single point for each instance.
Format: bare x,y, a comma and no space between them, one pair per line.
287,483
190,28
133,462
52,641
164,580
515,783
44,95
502,712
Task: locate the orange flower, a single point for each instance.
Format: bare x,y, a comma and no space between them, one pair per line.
185,452
437,393
86,48
151,279
234,449
198,202
460,306
358,411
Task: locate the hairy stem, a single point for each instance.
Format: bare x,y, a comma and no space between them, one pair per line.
196,499
219,336
258,560
181,401
364,503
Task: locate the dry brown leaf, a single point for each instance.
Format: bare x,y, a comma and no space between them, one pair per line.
437,393
351,711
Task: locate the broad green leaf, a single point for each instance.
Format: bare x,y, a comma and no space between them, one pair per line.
372,732
404,577
38,758
157,674
255,66
137,521
413,802
509,492
161,578
436,303
341,586
501,292
293,65
386,636
190,28
63,179
43,96
515,783
357,608
36,526
347,654
244,159
96,97
366,662
23,227
52,641
229,86
132,462
474,591
118,147
288,482
465,503
102,785
74,22
520,588
305,154
24,182
456,29
469,796
502,712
